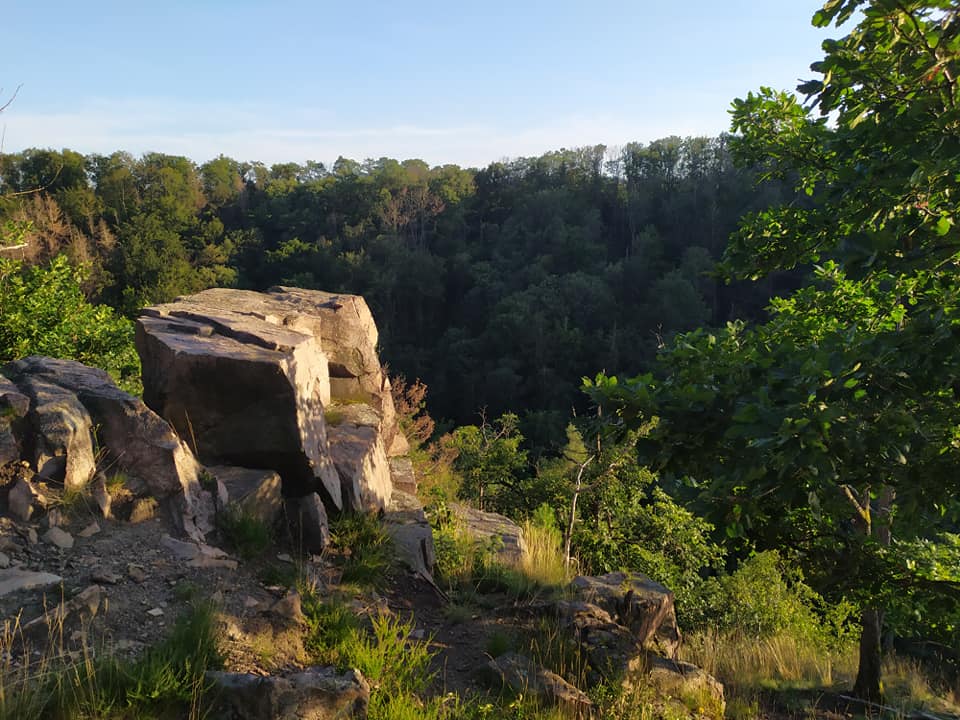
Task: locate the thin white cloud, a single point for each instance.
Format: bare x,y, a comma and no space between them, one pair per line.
204,131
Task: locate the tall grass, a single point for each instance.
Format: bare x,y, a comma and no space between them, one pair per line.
54,684
781,659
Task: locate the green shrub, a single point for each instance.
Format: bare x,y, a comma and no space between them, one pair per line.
43,311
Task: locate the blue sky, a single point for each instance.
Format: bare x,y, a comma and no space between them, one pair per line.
467,83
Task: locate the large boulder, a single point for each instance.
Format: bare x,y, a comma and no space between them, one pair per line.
317,693
361,461
638,603
245,381
69,400
61,430
488,527
247,377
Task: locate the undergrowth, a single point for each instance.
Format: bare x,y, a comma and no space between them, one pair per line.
166,681
366,549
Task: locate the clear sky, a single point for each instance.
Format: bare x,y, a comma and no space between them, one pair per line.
466,82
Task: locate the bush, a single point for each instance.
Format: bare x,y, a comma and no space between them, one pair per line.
43,311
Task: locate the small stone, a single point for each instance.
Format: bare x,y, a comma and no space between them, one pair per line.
100,495
54,518
418,634
31,534
289,608
136,573
155,612
105,576
4,561
205,561
217,598
20,500
250,602
143,509
90,530
61,538
284,557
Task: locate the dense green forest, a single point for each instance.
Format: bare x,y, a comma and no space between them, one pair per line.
500,288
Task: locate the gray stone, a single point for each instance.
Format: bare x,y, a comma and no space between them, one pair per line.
83,605
90,530
105,577
199,555
309,525
54,518
611,650
252,492
361,463
485,526
60,425
638,603
14,406
15,579
408,527
522,675
313,694
399,445
245,377
134,439
136,573
20,499
59,537
682,680
288,608
4,561
402,475
98,491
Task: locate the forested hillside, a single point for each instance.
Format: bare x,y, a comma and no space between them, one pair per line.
499,287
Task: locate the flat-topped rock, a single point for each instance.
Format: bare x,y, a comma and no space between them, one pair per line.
243,375
15,579
484,526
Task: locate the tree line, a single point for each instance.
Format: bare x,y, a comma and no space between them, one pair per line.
500,287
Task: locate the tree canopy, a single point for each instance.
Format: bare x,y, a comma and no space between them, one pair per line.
834,425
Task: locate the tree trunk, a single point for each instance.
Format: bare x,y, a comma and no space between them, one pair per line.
867,686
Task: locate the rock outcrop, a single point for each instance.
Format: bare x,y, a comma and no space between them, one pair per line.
487,527
248,378
408,527
626,626
73,408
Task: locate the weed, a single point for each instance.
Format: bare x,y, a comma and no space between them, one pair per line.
246,533
499,643
279,574
333,417
366,548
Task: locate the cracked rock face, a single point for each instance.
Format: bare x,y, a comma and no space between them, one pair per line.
73,408
246,378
